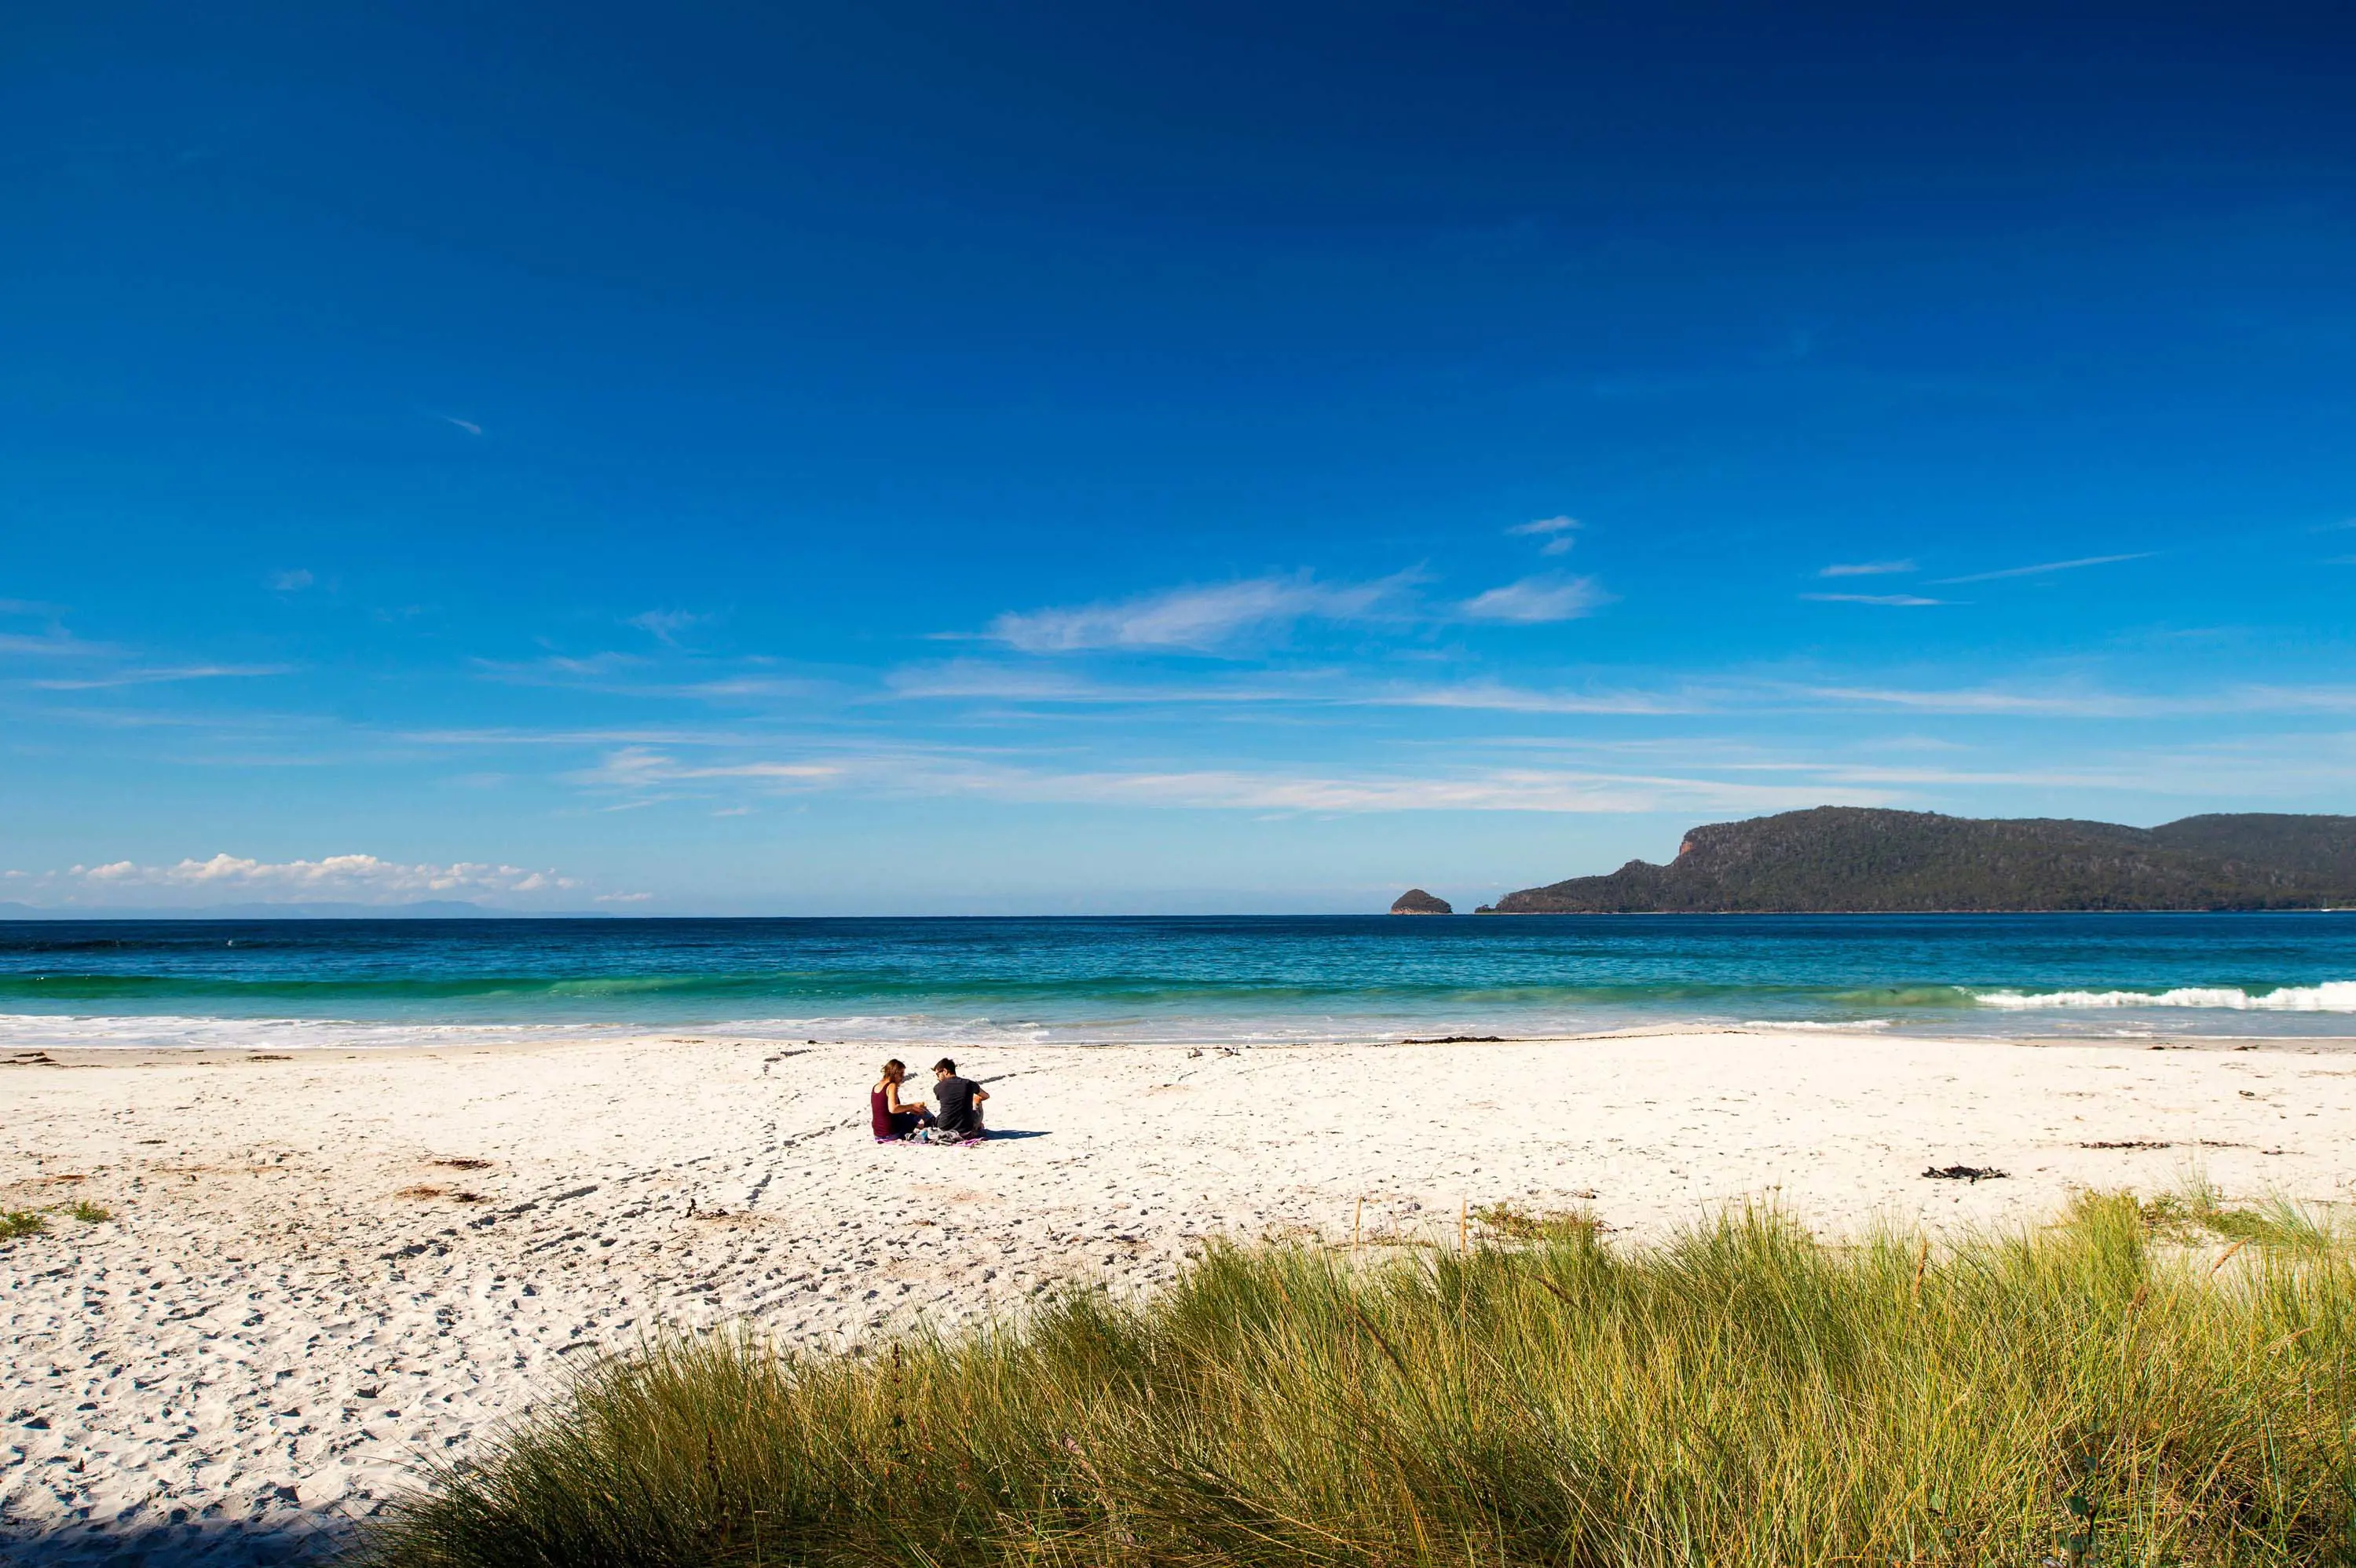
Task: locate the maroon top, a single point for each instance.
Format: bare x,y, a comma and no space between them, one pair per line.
879,1108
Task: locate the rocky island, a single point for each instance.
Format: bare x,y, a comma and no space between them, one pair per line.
1415,900
1856,860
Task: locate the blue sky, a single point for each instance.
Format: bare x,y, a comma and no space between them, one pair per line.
902,458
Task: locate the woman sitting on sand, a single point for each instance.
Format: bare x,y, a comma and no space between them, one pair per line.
892,1119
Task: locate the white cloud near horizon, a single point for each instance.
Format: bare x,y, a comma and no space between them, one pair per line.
1866,568
1534,601
1905,600
360,879
2044,567
1197,619
1559,533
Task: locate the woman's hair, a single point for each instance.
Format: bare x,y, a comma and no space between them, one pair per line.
896,1068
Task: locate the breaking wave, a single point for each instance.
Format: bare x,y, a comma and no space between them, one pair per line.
2331,996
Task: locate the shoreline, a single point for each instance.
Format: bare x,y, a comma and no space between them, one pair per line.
220,1036
327,1268
137,1054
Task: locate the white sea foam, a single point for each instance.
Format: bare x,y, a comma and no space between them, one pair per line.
2331,996
38,1031
1818,1026
31,1031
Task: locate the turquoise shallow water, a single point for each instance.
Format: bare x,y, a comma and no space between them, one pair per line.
1240,979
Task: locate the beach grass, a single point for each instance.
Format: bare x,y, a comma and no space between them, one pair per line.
2113,1389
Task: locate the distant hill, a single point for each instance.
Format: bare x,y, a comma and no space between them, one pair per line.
1848,858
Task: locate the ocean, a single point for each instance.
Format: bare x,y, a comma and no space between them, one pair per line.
974,982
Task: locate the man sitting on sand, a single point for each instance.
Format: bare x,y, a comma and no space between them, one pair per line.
960,1101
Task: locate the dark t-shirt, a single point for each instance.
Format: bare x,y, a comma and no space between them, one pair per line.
956,1095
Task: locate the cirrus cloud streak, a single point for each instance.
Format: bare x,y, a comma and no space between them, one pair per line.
1198,620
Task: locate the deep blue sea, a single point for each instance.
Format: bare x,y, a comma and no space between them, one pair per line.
349,983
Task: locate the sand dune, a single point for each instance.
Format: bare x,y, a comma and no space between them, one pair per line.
326,1271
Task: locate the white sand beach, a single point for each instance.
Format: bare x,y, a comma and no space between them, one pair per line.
327,1270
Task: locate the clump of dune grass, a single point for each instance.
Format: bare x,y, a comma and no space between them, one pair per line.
2198,1211
89,1214
1740,1395
15,1222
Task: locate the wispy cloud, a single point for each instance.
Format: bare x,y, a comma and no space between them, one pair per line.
157,677
664,625
558,667
1496,698
2072,705
293,581
2044,567
470,426
2289,700
1908,599
1534,599
1531,790
1198,620
1557,532
518,736
728,688
966,679
637,768
1866,568
1021,683
56,644
645,775
2114,778
2064,703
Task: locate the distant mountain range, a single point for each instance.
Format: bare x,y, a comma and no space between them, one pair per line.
430,908
1846,859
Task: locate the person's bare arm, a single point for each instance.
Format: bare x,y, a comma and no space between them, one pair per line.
980,1093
